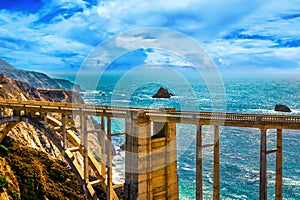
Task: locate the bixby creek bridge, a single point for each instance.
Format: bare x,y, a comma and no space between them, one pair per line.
150,144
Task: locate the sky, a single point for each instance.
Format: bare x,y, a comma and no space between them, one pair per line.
54,36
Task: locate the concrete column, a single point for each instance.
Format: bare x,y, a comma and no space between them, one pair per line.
199,182
63,130
151,159
137,133
84,144
216,192
45,118
278,184
103,148
109,161
263,165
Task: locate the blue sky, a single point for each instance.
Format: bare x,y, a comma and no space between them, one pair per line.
57,35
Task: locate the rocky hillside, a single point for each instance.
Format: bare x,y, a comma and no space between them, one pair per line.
18,90
28,173
36,79
31,167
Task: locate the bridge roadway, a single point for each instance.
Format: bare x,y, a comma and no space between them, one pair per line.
268,121
263,122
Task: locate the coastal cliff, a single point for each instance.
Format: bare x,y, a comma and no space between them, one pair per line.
36,149
30,165
36,79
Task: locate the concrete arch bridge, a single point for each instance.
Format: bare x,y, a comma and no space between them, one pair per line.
150,144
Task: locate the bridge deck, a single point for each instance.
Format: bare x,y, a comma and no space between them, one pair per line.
162,115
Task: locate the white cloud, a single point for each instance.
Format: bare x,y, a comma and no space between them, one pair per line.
163,58
43,46
58,37
203,19
132,42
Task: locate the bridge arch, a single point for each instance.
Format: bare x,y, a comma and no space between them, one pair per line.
13,121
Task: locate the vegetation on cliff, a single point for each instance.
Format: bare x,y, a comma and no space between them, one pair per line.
35,174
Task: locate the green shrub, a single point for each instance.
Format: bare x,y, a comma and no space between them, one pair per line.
3,183
3,150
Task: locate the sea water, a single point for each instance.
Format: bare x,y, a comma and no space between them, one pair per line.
239,147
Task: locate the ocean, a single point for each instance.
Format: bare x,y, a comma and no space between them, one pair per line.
239,147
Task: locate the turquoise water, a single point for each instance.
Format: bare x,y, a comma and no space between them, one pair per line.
239,146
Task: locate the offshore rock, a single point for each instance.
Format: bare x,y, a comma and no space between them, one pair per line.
162,93
282,108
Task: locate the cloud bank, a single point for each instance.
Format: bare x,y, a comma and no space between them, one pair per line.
57,35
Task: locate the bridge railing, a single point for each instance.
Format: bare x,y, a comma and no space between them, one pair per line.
166,113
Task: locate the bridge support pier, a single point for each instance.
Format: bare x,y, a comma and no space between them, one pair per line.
216,166
109,161
151,159
64,131
103,148
199,178
278,183
263,165
216,193
84,146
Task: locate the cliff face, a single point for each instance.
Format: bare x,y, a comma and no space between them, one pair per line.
18,90
28,173
28,142
36,79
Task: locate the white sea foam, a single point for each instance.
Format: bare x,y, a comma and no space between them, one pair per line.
120,101
289,181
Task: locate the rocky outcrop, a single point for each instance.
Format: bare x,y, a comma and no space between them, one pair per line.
282,108
18,90
162,93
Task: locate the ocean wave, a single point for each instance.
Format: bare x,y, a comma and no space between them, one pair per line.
289,181
120,101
